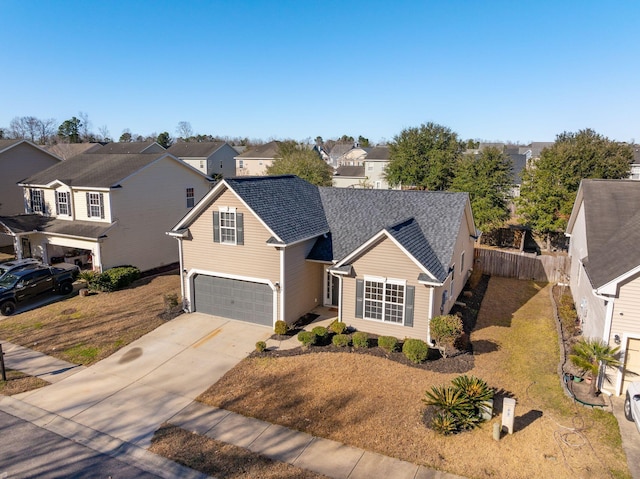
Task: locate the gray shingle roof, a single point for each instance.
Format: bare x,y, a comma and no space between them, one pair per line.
378,153
27,223
356,215
267,151
94,170
290,206
195,149
5,144
612,221
129,147
356,171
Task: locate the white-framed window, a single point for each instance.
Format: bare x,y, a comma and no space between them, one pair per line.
228,225
62,203
240,164
202,164
191,198
37,201
95,205
384,299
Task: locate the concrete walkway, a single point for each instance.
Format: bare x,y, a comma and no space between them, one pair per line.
630,436
116,405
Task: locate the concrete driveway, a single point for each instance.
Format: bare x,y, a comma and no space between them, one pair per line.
630,437
129,394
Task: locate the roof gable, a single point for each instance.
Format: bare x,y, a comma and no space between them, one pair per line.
200,149
96,170
267,151
612,227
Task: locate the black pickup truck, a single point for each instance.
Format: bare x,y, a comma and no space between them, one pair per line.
19,286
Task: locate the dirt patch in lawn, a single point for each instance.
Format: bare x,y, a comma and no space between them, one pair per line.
84,330
376,404
220,459
18,382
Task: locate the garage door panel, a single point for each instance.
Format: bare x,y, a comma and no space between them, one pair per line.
234,299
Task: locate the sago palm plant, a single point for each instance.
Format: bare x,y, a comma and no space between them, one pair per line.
589,354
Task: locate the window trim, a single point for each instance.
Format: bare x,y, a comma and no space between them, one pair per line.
383,302
66,203
191,198
41,206
91,195
226,210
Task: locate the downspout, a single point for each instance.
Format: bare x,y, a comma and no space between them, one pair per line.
339,297
431,295
608,319
182,275
282,288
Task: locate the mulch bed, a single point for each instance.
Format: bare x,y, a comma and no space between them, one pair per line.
458,362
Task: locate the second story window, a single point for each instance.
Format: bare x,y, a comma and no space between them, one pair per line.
191,198
95,205
228,226
36,198
62,203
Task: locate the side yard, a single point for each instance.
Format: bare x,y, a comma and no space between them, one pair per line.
84,330
376,404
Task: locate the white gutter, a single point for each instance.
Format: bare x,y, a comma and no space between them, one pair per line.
431,295
282,288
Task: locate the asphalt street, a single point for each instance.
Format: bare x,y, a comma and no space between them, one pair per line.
28,451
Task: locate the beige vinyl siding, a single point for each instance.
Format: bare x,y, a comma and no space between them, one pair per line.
385,259
16,164
80,205
252,167
626,320
253,259
303,281
148,204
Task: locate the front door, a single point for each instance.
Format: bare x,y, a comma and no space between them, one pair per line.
331,289
26,247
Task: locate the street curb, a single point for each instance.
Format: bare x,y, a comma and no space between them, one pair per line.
103,443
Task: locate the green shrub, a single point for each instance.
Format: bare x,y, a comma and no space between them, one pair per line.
460,406
341,340
320,331
388,343
338,327
261,346
307,338
281,327
360,340
116,278
416,350
446,330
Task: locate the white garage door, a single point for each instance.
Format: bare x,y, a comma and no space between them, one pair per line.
234,299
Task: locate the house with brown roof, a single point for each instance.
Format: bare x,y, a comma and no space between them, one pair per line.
604,231
69,150
254,161
129,147
105,210
262,249
213,158
370,174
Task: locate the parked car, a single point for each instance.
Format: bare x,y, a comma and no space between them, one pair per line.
632,403
18,265
19,286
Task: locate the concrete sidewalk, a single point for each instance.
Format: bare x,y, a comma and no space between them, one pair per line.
37,364
316,454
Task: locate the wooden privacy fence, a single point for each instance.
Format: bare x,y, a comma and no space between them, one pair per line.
529,266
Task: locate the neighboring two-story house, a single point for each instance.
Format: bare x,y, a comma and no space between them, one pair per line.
370,174
254,161
213,158
105,210
261,249
604,231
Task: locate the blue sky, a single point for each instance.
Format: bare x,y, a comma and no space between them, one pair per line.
511,70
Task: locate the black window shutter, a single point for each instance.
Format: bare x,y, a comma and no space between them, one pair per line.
101,206
216,227
359,297
88,205
57,204
43,203
239,228
30,205
410,292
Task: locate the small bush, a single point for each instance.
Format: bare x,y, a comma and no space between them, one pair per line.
307,338
446,330
388,343
360,340
281,327
338,327
341,340
416,350
320,331
171,301
116,278
261,346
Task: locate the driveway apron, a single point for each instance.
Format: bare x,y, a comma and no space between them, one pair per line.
129,394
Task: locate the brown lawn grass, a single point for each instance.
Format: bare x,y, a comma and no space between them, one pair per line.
18,382
219,459
84,330
375,404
